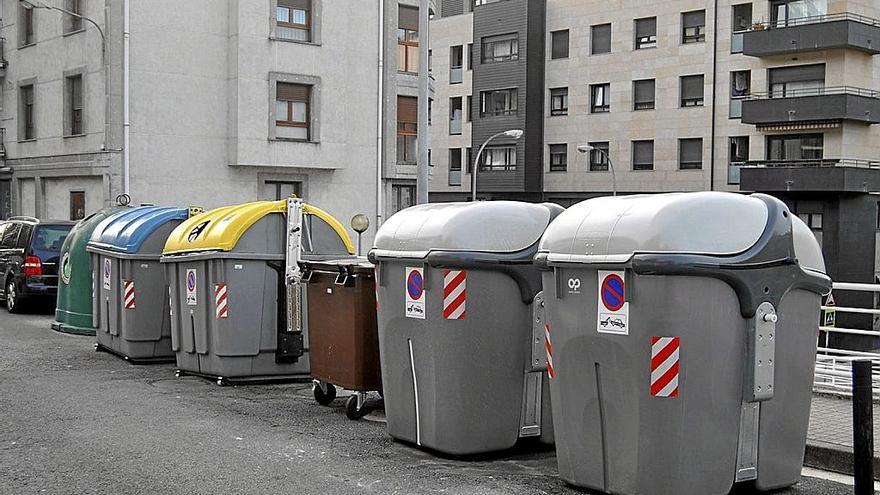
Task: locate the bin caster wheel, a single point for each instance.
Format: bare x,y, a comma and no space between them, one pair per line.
97,348
177,374
221,382
351,408
322,396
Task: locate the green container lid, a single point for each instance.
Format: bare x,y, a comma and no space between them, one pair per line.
73,311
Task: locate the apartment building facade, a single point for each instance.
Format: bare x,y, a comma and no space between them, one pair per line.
221,102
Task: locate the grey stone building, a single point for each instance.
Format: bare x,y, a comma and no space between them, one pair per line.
207,102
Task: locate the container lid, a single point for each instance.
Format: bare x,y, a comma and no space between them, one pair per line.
485,226
221,229
612,229
126,231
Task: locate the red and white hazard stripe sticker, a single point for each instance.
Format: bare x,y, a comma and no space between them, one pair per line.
128,294
221,301
549,347
454,294
664,366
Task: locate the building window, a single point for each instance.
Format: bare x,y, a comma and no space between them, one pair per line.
498,158
690,154
646,33
600,98
783,11
454,166
469,109
693,27
599,157
643,155
600,39
74,103
28,125
470,56
292,111
408,39
498,102
742,22
77,205
470,160
796,147
73,23
26,32
455,112
738,155
691,91
484,2
798,80
500,48
559,44
293,20
407,129
558,157
456,64
402,196
643,94
740,88
559,101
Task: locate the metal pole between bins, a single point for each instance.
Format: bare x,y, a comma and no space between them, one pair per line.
863,428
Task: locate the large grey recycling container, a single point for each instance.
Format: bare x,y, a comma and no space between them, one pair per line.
129,294
228,294
682,331
461,370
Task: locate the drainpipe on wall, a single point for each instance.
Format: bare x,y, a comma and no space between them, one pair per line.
380,118
714,95
126,123
423,134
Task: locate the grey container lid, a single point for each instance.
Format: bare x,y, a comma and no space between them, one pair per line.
612,229
485,226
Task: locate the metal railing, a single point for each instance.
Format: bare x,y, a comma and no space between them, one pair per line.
818,91
833,373
815,19
820,162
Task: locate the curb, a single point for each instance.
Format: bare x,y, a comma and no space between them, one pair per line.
832,457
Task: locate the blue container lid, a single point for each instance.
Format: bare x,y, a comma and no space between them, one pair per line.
126,232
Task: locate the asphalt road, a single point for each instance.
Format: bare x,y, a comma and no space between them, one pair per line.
74,421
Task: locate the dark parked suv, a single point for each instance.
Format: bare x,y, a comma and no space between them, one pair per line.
29,251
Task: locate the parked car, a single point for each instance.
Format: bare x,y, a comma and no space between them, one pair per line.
29,259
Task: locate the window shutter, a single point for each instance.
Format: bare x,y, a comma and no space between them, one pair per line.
408,18
601,35
292,92
643,152
644,91
691,87
559,40
646,27
296,4
693,19
407,109
797,73
691,150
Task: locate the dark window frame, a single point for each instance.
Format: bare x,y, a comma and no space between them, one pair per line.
27,93
558,157
558,102
699,33
508,165
598,159
290,122
642,166
512,98
639,105
557,51
645,41
593,32
488,43
75,106
305,27
689,164
605,107
691,101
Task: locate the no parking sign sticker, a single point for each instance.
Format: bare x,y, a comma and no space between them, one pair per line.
191,287
613,313
414,288
108,270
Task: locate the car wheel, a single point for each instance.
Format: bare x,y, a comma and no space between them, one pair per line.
12,300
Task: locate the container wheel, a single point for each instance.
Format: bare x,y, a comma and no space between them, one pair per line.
351,408
324,397
221,382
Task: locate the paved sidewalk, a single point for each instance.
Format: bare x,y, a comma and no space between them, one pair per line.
830,437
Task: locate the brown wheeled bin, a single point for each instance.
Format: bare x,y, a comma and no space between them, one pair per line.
343,335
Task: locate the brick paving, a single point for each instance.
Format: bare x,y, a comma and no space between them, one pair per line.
831,423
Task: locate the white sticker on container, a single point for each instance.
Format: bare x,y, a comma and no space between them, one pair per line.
414,289
191,287
613,312
108,270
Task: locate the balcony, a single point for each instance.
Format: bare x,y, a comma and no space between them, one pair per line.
822,175
456,75
812,105
808,34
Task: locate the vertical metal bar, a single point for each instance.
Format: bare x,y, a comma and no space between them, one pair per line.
423,136
863,428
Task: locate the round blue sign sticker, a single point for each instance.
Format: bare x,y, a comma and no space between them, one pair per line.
415,285
613,293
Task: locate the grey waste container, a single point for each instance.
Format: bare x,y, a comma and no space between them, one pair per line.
227,289
682,335
456,286
130,303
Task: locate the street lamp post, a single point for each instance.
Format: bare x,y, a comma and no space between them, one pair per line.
586,148
512,133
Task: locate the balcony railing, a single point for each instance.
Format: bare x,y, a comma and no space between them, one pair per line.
822,162
816,19
456,75
823,91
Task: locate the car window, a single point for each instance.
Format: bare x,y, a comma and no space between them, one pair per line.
3,227
24,236
10,236
49,238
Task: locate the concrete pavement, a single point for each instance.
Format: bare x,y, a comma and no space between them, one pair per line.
74,421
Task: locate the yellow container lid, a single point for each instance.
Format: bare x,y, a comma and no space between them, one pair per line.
221,229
